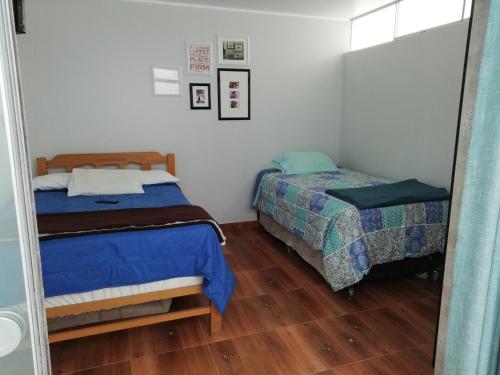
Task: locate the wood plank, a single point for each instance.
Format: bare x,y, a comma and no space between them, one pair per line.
171,163
98,160
90,352
242,255
227,359
262,353
215,320
315,347
121,368
305,308
374,366
408,362
357,339
248,316
263,281
126,324
338,303
112,303
422,313
393,330
167,337
41,166
285,331
190,361
290,262
255,314
387,292
240,225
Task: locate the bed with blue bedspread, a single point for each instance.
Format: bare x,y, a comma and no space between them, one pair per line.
78,264
351,240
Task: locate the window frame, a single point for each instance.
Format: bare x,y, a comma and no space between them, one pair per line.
394,3
396,20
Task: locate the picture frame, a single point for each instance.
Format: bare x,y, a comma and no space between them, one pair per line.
233,50
233,88
199,58
200,96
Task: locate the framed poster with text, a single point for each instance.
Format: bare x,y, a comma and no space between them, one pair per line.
199,58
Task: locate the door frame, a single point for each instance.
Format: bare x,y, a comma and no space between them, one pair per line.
475,45
11,97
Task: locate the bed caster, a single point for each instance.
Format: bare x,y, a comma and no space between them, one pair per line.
435,276
350,291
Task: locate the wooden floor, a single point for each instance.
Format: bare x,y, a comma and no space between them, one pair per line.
283,319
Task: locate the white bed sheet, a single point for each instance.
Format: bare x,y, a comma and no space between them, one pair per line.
121,291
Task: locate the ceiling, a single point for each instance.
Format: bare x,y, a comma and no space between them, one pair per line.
337,9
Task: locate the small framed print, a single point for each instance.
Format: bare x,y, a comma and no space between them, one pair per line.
199,58
233,86
200,95
233,50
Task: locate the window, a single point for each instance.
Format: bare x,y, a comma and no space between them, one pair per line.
467,9
417,15
166,82
403,17
374,28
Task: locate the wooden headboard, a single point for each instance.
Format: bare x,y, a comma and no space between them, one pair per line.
119,159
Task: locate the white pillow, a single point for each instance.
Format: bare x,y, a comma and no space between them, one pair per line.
104,181
157,177
51,181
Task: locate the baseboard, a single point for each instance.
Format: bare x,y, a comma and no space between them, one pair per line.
240,225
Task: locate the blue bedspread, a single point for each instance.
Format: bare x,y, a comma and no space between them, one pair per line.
91,262
57,201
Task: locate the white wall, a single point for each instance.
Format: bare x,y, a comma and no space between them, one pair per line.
86,72
400,105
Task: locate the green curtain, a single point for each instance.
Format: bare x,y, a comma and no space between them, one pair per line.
473,336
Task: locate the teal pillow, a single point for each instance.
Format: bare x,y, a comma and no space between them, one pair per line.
303,162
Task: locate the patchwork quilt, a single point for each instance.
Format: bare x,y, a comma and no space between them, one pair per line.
352,240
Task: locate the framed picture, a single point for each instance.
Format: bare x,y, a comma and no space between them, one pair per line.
233,50
233,86
199,58
200,95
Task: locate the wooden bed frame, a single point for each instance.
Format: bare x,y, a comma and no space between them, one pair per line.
121,160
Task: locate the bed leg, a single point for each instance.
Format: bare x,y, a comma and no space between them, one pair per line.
215,320
435,276
289,249
351,291
424,275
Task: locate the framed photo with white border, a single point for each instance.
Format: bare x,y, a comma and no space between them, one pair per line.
233,50
199,58
233,86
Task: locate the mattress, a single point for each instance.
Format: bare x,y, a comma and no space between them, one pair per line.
97,266
349,240
124,312
121,291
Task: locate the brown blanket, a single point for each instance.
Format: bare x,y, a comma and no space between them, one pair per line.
72,224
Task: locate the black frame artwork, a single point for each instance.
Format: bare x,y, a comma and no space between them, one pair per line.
191,98
18,7
221,71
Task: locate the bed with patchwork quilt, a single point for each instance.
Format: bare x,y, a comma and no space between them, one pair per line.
351,240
